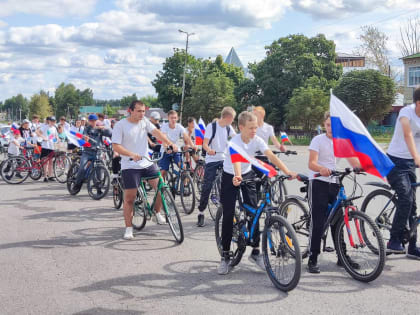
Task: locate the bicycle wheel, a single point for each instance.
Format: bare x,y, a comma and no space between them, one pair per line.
298,216
139,216
98,182
282,257
371,262
278,192
172,215
238,243
36,171
214,199
187,192
381,205
61,166
117,195
71,179
15,170
198,177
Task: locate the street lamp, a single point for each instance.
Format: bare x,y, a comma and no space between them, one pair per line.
183,79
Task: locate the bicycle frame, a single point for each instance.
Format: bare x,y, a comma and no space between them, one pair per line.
142,190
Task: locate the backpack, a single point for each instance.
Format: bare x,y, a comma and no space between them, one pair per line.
213,134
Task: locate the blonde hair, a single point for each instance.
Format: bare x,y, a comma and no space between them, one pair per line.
228,111
259,109
246,116
327,115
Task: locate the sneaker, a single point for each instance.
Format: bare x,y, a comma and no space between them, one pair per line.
413,252
352,263
224,266
51,179
200,222
313,265
258,260
45,180
160,219
128,235
394,246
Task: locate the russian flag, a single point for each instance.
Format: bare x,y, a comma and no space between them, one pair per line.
351,139
107,141
14,127
76,141
284,137
199,136
76,134
202,126
239,155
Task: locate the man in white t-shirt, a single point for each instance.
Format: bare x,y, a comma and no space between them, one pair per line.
49,135
266,131
129,140
175,132
215,144
404,151
233,173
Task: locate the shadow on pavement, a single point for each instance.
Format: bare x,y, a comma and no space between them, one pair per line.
107,311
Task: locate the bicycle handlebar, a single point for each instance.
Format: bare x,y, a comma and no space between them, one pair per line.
346,172
288,152
149,159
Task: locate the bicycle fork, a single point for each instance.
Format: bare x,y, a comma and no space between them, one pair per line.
357,225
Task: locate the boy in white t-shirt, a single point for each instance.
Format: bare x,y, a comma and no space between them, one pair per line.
266,131
233,173
15,144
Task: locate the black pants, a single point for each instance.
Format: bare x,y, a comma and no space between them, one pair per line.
400,179
209,176
321,194
116,165
228,199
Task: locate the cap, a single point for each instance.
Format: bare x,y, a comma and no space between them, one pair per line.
93,117
52,118
83,118
25,121
48,118
155,115
16,132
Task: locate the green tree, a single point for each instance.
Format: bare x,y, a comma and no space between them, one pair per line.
289,63
40,105
109,110
209,95
307,107
150,101
17,107
67,100
127,100
85,97
246,94
368,93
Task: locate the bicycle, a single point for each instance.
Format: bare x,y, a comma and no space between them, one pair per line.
214,197
96,175
280,246
383,203
143,210
363,235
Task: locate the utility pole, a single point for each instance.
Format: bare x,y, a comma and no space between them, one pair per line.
183,79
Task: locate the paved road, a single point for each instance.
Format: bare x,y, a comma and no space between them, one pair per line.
65,255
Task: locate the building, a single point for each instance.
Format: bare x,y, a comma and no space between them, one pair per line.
86,110
350,62
411,76
233,59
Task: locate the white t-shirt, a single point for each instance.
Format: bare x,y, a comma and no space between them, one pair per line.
398,146
14,145
324,146
34,127
133,137
175,135
256,144
219,142
265,132
50,133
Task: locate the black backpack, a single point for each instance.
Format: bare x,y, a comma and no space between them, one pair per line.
213,134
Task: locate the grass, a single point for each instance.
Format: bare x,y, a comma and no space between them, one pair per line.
384,138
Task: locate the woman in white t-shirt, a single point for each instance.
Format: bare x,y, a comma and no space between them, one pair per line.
49,135
322,190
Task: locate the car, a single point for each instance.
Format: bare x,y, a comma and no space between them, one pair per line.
4,135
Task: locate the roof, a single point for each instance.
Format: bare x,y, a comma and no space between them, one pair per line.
233,59
412,56
91,109
163,115
347,56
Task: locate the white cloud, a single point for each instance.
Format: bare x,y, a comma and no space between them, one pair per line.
2,24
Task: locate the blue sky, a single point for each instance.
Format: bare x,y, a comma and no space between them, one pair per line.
117,47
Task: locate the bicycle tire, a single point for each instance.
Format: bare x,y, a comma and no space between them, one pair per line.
172,215
61,167
287,250
214,198
187,193
238,243
343,249
379,199
278,192
99,179
117,195
36,171
198,176
71,179
14,166
298,216
139,213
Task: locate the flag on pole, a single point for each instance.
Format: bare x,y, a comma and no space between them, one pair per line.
351,139
75,140
107,141
14,127
199,136
76,134
284,137
239,155
202,125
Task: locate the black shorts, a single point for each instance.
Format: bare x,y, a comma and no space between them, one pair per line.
45,152
131,177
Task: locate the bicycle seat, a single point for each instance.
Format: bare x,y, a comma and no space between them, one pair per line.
302,178
379,184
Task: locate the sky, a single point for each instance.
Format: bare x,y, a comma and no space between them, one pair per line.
117,47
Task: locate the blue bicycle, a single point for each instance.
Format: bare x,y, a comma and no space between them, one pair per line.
280,247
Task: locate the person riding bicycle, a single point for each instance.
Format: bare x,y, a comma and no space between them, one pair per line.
215,144
129,140
322,191
233,173
92,134
404,152
48,133
153,142
174,131
266,131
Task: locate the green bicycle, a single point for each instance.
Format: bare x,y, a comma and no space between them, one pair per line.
143,210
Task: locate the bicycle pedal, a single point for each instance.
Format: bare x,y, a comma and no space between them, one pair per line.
329,249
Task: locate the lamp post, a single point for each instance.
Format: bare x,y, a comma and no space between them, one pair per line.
183,79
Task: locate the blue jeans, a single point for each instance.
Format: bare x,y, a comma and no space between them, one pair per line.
86,156
209,176
400,178
166,160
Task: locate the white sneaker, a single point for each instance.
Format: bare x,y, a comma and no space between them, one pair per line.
257,260
128,235
160,219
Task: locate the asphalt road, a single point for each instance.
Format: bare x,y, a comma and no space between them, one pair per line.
61,254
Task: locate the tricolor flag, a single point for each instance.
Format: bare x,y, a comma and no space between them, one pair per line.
199,136
76,134
202,125
107,141
14,127
351,139
284,137
239,155
75,140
